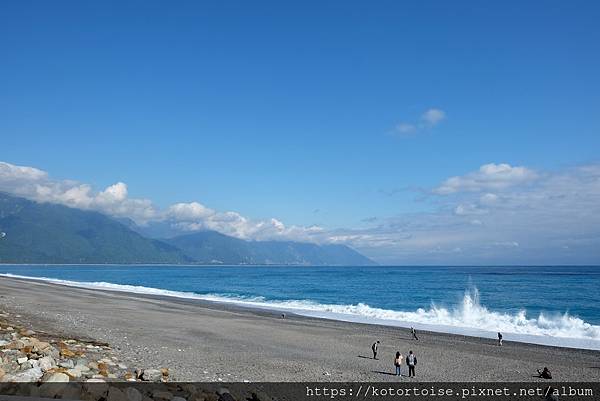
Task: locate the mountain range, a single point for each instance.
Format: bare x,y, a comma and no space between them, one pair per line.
50,233
213,247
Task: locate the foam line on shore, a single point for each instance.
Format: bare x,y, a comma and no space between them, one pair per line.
468,318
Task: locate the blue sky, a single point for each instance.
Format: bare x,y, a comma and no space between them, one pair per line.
294,111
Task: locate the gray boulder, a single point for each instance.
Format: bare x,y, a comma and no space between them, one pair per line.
27,376
152,375
46,363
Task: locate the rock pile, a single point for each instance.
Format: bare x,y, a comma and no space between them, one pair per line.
27,356
37,364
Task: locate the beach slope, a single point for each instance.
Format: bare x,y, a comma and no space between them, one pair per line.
204,341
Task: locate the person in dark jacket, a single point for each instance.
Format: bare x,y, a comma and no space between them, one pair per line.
411,361
499,339
545,374
374,348
414,333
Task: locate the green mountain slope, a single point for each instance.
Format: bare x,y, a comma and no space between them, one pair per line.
213,247
48,233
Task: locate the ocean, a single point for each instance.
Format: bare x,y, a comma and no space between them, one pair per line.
552,305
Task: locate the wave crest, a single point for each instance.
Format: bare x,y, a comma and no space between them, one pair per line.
471,314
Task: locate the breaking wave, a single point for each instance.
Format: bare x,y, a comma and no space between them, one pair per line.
469,317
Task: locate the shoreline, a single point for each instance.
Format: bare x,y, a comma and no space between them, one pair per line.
209,341
276,309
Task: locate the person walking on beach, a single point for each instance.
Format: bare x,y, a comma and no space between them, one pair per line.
411,361
499,339
374,347
414,333
398,363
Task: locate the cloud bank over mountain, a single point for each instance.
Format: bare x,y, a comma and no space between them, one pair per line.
497,213
35,184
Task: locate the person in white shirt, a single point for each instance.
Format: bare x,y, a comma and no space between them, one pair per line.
398,363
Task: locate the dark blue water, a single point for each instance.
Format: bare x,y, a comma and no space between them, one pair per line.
394,293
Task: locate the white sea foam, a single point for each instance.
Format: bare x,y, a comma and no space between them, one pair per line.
469,317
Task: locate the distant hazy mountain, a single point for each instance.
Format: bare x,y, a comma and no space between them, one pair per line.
48,233
213,247
155,229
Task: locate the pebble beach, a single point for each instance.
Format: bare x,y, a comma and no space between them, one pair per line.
53,332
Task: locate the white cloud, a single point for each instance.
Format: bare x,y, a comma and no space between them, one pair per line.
194,216
466,209
114,193
189,211
429,119
489,177
10,173
405,128
488,199
433,117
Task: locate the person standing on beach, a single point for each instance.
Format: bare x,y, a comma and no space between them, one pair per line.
374,347
499,339
411,361
398,363
414,333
